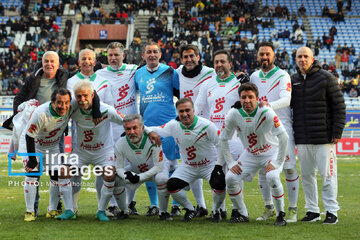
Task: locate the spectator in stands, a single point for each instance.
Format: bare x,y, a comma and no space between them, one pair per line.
346,73
353,93
338,59
79,18
278,10
333,31
332,13
277,44
339,17
344,60
325,66
229,21
67,33
325,11
302,10
339,4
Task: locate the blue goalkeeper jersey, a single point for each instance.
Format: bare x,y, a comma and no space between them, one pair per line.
156,94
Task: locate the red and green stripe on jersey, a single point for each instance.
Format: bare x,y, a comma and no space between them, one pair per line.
275,83
120,71
204,77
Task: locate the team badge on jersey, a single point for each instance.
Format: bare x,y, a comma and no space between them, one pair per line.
161,157
288,87
32,128
276,122
122,115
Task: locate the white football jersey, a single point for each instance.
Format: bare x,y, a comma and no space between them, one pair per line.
46,126
257,130
273,86
198,142
123,91
145,158
217,96
95,140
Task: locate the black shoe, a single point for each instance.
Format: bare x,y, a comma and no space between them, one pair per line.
330,218
215,217
201,212
165,216
112,211
223,214
280,219
311,217
132,209
236,217
175,211
189,215
59,206
153,211
121,215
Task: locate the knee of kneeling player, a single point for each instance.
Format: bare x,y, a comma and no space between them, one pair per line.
161,179
109,173
289,171
272,178
175,184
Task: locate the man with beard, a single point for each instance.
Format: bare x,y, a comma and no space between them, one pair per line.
274,86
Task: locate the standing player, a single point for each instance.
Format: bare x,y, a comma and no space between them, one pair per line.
145,163
158,84
274,86
257,128
44,131
198,140
192,74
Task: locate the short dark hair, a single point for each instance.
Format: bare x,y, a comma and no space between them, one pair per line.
222,51
189,47
60,91
248,87
184,100
266,44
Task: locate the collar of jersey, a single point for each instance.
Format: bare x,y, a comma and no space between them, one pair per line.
142,144
191,127
228,79
245,114
116,70
269,75
85,113
81,76
53,113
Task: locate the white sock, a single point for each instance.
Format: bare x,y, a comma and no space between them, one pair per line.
120,197
113,201
265,189
181,198
107,191
30,192
163,195
76,187
75,198
66,193
54,195
278,196
130,192
218,199
197,189
237,198
292,186
99,181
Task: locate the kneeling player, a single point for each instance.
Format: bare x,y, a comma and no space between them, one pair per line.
257,128
145,164
197,138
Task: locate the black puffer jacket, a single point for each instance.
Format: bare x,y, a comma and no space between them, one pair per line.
318,106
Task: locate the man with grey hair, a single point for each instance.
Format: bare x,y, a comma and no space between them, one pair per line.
137,149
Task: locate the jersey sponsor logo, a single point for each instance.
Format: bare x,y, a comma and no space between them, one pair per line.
276,122
219,104
32,128
252,140
150,85
288,87
161,156
143,167
88,135
191,152
188,94
123,92
53,133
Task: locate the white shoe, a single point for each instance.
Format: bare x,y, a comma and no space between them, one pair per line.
268,213
292,216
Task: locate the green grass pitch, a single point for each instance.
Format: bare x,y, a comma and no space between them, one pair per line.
12,209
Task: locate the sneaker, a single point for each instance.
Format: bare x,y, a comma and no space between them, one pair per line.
101,215
153,211
165,216
223,213
236,217
201,212
215,217
52,214
189,215
268,213
76,211
112,211
29,217
175,211
280,219
132,209
311,217
67,215
121,215
292,216
330,218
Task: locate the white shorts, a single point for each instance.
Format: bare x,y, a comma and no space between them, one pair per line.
104,159
190,174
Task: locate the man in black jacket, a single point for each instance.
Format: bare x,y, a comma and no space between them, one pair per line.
319,119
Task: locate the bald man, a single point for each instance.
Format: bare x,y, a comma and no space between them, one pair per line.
319,119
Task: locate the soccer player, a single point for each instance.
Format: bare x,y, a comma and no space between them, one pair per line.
265,139
145,163
192,74
158,84
274,86
197,138
44,131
